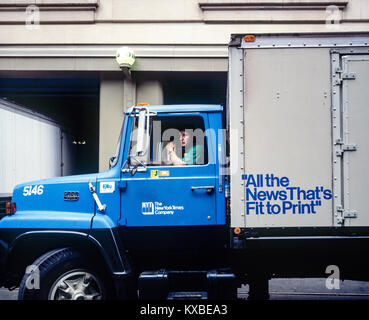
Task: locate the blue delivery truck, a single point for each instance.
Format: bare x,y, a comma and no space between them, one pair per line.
201,199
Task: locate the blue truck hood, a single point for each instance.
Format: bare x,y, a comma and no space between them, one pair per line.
62,203
48,194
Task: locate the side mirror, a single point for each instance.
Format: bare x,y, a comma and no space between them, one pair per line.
142,132
140,137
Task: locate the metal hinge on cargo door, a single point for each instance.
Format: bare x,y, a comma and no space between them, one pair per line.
343,76
344,147
345,214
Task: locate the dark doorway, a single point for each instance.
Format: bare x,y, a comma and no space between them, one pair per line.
72,102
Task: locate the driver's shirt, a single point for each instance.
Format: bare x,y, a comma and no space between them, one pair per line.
194,155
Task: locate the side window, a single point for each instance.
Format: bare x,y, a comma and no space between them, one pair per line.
178,141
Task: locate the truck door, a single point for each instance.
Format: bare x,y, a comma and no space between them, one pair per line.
159,194
351,148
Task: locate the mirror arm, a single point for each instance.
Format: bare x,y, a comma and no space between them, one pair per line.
132,169
142,164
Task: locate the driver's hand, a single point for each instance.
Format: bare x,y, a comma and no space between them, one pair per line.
170,146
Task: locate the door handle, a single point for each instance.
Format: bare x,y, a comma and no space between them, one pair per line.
209,189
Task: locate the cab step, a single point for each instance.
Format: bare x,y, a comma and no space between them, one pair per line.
184,295
187,285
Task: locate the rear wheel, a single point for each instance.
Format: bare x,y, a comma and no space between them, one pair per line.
64,274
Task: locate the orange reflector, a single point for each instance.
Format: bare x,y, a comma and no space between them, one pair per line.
249,38
142,104
10,208
237,230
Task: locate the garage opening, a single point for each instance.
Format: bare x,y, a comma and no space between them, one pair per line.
73,102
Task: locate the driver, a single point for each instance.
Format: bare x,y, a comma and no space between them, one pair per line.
192,154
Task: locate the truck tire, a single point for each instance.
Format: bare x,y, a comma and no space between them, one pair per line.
63,274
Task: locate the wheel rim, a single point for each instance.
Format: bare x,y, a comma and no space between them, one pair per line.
77,285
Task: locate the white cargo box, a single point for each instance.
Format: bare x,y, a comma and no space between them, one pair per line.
299,118
32,147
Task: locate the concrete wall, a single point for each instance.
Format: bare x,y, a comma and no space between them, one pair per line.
116,95
111,116
150,92
172,22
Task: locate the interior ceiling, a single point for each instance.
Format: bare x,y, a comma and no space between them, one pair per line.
49,87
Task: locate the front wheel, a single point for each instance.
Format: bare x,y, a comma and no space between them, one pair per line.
63,274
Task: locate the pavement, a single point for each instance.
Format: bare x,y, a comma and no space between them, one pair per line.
312,289
287,289
8,295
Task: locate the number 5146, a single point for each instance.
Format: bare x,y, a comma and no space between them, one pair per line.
30,190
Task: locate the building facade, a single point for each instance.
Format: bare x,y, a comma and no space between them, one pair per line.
58,56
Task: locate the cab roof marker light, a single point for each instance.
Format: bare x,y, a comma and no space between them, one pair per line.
249,38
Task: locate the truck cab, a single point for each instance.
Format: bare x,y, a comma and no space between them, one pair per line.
148,212
157,194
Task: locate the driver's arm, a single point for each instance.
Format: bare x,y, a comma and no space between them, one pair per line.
177,161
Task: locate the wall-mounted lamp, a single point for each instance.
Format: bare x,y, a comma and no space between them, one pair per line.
125,58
